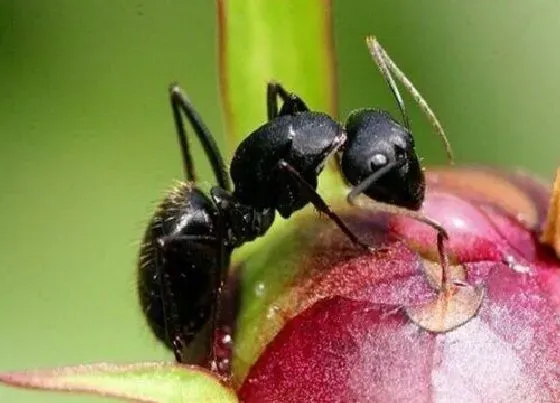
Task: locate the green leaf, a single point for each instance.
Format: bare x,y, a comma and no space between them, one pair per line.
290,42
286,41
144,382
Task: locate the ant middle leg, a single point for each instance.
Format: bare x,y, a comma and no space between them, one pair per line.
219,357
292,104
317,201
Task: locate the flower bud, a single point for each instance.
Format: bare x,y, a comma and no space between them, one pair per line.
393,325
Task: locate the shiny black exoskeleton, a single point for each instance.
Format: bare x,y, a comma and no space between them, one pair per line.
277,166
379,159
187,246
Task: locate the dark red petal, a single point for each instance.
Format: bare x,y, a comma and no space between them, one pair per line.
354,324
347,350
338,350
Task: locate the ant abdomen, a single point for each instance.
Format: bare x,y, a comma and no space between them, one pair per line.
180,265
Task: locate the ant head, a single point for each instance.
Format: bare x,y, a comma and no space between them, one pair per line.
377,144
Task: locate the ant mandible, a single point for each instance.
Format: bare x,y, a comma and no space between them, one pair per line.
187,246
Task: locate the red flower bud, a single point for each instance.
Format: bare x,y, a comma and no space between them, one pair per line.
382,327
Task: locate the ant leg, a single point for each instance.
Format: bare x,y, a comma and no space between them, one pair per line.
170,313
442,235
291,102
272,90
220,357
374,177
188,165
320,204
393,209
180,103
387,66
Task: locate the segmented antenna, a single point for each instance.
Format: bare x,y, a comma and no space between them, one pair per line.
388,68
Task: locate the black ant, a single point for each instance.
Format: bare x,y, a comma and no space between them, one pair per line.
187,246
277,165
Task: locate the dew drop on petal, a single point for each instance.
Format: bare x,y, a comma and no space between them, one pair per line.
260,289
514,265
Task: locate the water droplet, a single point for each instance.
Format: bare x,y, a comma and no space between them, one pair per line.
226,339
260,289
514,265
272,310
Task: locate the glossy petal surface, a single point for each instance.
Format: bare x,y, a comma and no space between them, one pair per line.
341,328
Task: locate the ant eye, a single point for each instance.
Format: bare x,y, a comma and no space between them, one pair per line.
377,161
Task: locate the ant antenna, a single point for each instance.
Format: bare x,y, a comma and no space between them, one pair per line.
378,56
387,66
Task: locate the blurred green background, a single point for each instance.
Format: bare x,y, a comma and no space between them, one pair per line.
87,145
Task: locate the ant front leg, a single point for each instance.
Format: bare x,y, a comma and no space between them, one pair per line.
317,201
442,235
292,104
364,201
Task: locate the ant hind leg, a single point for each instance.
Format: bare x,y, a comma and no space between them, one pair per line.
174,330
180,103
